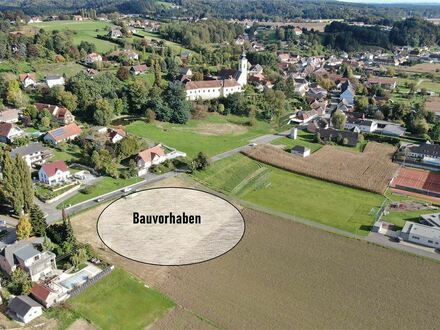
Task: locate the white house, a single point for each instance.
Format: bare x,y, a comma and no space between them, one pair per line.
421,234
10,116
24,309
363,125
54,173
55,80
155,156
93,58
28,80
211,89
33,153
23,254
9,132
116,134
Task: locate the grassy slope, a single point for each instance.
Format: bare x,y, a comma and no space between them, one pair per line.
103,186
177,48
118,301
186,138
327,203
84,31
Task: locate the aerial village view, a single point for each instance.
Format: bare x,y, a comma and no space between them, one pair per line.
299,140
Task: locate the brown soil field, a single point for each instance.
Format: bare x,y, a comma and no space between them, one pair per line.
221,129
433,104
371,170
286,275
422,67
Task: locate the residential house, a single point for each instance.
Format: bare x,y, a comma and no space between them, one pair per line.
131,55
426,152
300,151
301,86
298,31
332,135
10,116
316,92
116,134
61,114
61,134
138,69
9,132
54,173
55,80
32,154
185,71
317,124
385,83
421,234
25,255
24,309
115,33
148,157
256,69
28,80
48,294
303,117
77,18
347,93
93,58
362,125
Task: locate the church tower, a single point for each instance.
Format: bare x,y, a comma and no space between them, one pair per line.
242,70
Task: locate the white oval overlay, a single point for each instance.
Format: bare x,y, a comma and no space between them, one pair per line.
182,226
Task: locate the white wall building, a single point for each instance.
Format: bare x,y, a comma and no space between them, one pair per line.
54,173
53,81
24,309
421,234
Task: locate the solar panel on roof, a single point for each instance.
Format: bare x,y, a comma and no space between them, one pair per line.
58,132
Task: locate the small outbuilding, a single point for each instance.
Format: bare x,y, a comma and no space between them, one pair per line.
24,309
300,151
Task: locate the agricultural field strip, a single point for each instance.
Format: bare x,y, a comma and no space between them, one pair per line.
371,170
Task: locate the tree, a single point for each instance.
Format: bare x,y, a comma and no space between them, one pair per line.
26,187
175,97
361,103
65,98
338,119
128,146
20,282
38,221
79,257
123,73
104,112
11,184
14,95
200,162
24,228
435,132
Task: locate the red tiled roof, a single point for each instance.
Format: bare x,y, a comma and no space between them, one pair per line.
140,68
64,132
40,291
381,80
23,76
147,155
5,128
51,168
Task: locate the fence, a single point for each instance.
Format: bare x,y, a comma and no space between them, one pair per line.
91,281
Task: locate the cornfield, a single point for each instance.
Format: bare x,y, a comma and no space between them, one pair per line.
371,170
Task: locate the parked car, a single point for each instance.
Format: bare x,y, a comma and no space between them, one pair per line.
127,189
395,239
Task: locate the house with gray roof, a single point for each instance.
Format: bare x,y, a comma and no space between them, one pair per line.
426,152
24,309
26,254
32,154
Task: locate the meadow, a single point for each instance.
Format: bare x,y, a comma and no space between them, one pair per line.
118,301
212,135
337,206
83,31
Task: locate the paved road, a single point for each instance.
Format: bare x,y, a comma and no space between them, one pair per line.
265,139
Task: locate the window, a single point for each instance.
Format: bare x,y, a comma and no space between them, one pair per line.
415,237
429,241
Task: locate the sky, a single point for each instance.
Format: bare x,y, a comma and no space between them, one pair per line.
395,1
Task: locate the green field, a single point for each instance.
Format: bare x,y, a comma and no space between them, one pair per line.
68,69
177,48
330,204
83,31
304,139
118,301
105,185
212,135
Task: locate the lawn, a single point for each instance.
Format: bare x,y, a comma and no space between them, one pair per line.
118,301
68,69
104,185
83,31
69,153
304,139
177,48
330,204
212,135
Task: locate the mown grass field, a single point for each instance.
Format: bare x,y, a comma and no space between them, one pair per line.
118,301
212,135
177,48
105,185
83,31
330,204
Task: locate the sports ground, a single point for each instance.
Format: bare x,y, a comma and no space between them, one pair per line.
418,181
